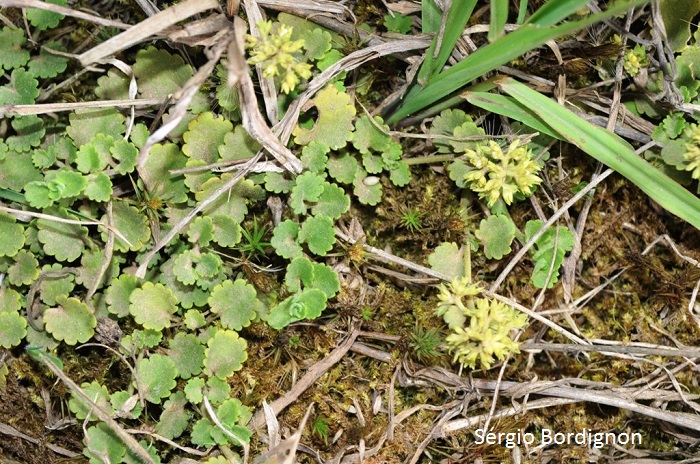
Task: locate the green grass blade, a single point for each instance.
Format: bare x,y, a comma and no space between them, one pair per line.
431,16
492,56
510,108
499,17
522,11
553,12
457,17
609,149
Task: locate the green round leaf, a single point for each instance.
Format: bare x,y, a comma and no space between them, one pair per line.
204,136
72,321
105,445
153,305
448,259
201,231
236,303
97,393
12,235
25,270
118,294
193,390
318,233
86,122
132,224
496,234
157,376
13,328
175,418
333,202
227,232
308,188
334,125
284,239
187,354
225,354
99,187
43,19
12,54
48,64
65,242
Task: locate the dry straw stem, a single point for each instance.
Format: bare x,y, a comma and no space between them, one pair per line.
12,432
147,28
128,440
25,110
22,215
64,11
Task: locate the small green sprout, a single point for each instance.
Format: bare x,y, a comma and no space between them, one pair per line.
275,52
425,343
320,428
494,174
254,241
411,220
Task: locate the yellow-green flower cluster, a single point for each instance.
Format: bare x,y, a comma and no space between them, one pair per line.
274,50
481,327
692,153
635,59
495,174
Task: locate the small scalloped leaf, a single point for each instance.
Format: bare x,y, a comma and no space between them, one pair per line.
343,168
188,295
126,153
445,124
29,130
399,174
314,156
105,445
44,19
448,259
316,44
308,188
157,377
496,234
318,233
333,202
194,390
368,136
71,322
235,303
21,90
99,187
66,184
95,155
187,354
156,176
125,405
17,170
183,267
48,64
276,182
201,231
226,232
175,418
118,294
12,235
9,299
234,202
90,264
238,145
153,305
309,303
159,73
204,136
284,239
398,23
12,54
86,122
98,393
225,354
551,246
334,124
113,86
51,288
13,328
369,193
132,223
299,271
372,163
65,242
25,270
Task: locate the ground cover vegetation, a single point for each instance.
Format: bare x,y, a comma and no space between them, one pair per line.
253,233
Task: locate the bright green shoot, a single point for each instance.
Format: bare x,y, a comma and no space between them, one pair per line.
254,244
435,84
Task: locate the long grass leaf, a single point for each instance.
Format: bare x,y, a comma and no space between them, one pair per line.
457,17
609,149
491,56
553,12
499,17
431,16
510,108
